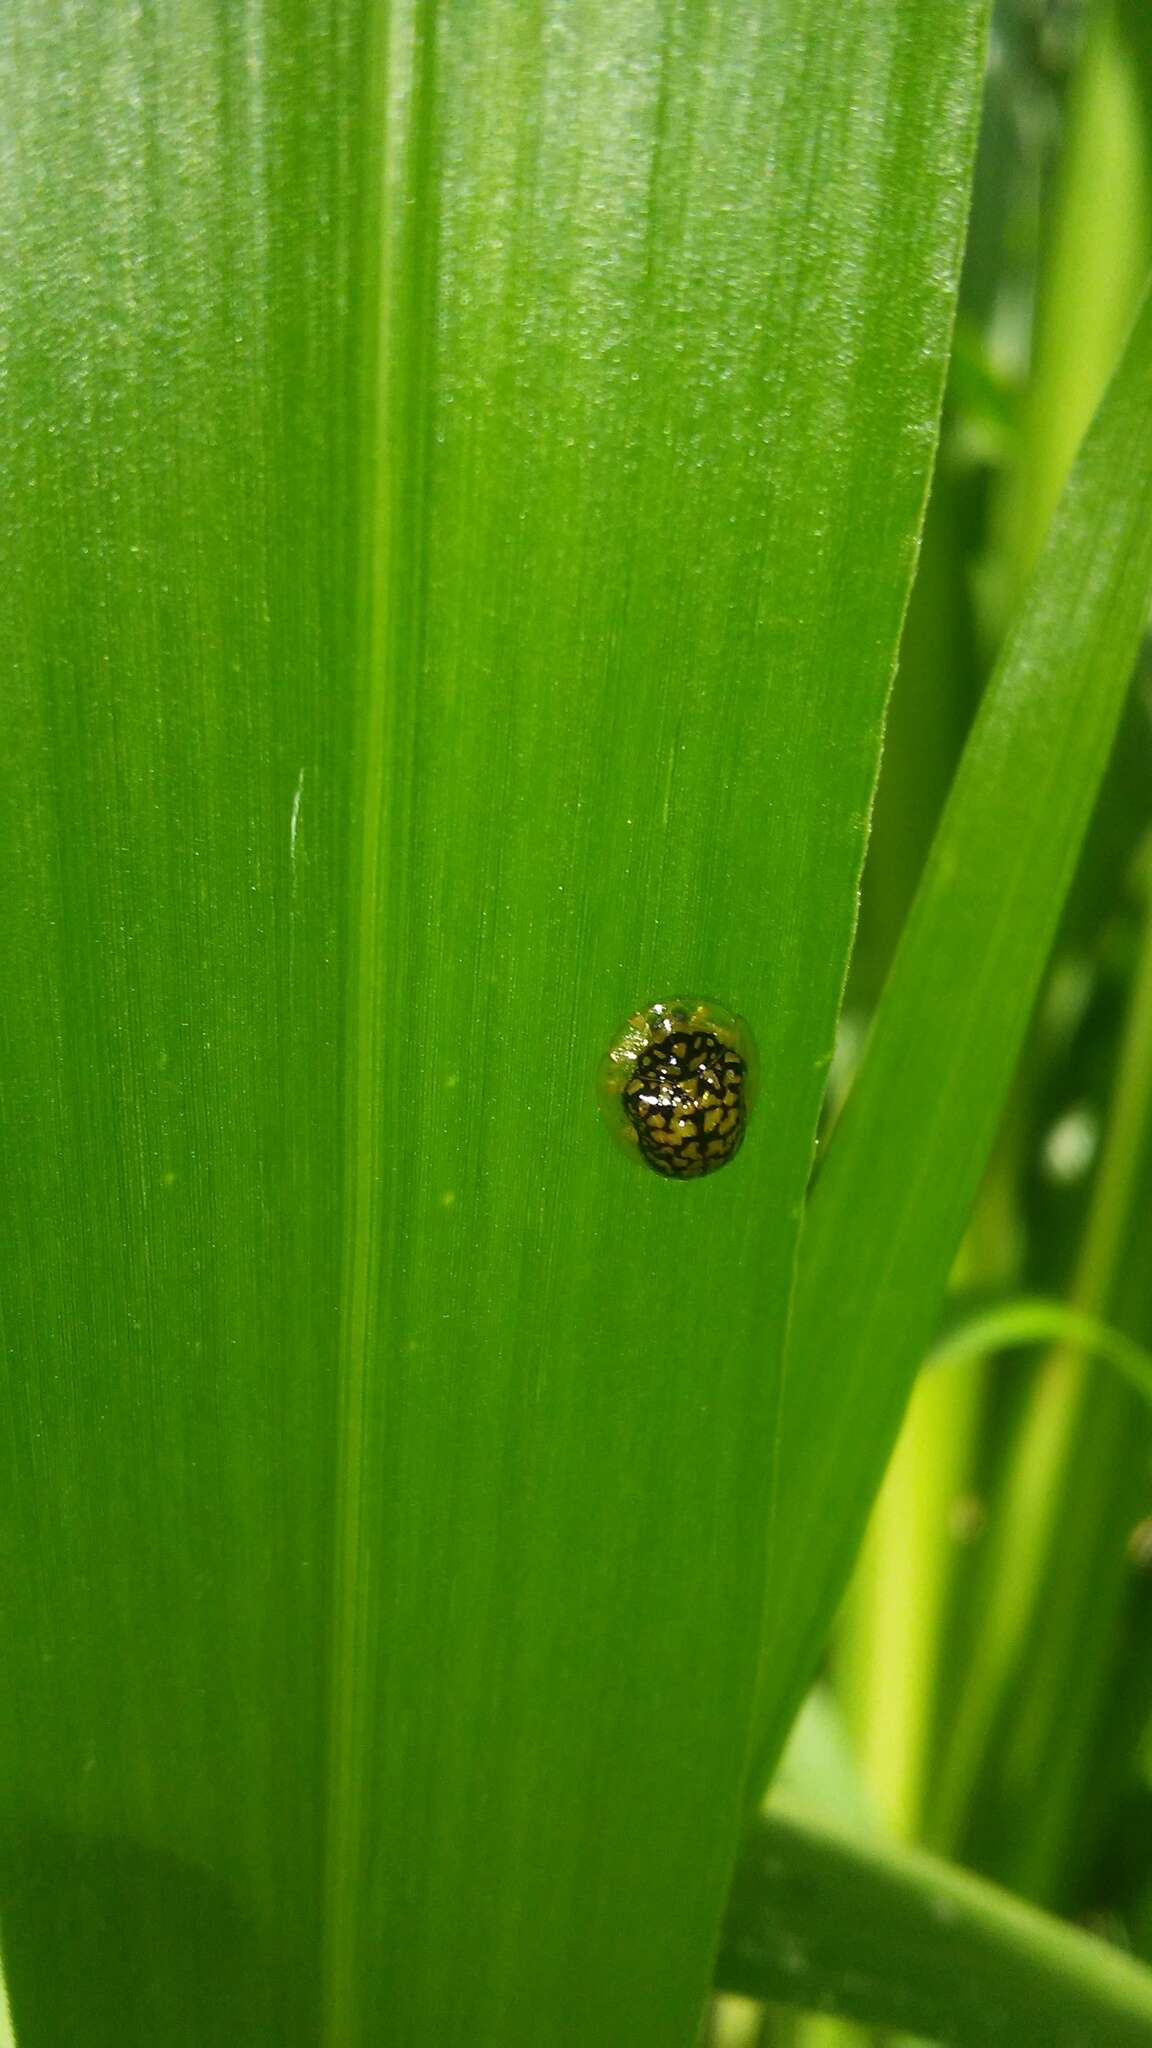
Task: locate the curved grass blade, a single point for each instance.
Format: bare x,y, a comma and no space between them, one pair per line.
1027,1321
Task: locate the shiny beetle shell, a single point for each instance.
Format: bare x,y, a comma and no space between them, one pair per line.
677,1087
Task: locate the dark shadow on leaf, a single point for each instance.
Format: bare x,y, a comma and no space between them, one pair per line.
109,1944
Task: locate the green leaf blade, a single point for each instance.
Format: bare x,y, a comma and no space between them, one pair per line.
699,371
507,647
892,1937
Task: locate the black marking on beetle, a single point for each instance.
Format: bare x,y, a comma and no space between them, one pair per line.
686,1101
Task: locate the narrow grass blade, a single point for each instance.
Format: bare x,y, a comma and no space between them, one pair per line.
894,1937
890,1204
1041,1617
